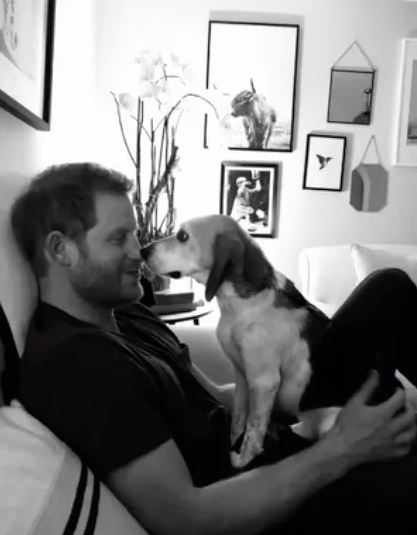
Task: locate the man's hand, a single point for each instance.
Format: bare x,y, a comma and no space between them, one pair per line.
374,433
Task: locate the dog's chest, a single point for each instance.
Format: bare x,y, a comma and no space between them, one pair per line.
258,329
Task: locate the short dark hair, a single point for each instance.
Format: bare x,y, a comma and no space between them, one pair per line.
61,198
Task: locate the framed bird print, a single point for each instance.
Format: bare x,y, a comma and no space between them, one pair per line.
251,73
324,162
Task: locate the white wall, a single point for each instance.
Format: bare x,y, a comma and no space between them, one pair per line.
328,27
25,151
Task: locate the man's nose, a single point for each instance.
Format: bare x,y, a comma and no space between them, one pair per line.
134,249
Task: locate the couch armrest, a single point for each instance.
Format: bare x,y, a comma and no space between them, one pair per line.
205,351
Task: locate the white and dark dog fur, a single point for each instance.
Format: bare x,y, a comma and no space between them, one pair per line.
266,326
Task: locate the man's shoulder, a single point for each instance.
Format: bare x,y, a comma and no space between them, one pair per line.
52,332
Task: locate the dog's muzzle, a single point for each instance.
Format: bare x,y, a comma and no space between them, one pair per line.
175,274
146,251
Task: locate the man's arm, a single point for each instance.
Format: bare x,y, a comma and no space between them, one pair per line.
158,490
222,392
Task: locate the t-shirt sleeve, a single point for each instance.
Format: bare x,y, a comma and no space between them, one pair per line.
103,404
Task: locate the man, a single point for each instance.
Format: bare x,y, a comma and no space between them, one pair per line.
119,389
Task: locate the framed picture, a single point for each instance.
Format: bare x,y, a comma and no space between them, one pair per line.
350,96
405,144
253,69
26,54
248,194
324,162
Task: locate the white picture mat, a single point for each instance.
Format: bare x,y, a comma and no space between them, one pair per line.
22,66
406,151
239,52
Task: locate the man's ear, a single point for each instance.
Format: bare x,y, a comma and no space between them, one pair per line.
228,251
61,249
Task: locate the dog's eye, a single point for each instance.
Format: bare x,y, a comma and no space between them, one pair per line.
182,235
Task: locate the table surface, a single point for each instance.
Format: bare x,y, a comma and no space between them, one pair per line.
193,315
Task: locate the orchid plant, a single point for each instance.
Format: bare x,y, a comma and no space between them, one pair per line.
156,106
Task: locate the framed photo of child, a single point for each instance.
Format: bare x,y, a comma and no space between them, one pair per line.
248,194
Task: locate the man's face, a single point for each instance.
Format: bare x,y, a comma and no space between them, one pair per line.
108,271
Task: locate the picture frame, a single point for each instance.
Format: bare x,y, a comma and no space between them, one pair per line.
248,194
405,141
350,96
324,162
26,59
252,67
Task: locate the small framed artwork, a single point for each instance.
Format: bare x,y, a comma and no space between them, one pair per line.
405,144
252,67
248,194
26,55
324,162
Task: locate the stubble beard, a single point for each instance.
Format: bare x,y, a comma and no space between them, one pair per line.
102,287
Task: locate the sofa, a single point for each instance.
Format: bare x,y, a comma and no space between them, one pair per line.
44,487
329,274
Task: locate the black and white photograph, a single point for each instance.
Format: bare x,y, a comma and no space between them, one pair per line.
26,51
254,67
412,116
248,194
324,162
405,143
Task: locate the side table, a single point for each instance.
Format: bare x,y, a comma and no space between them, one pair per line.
192,315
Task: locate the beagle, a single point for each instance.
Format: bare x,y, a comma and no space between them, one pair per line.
266,326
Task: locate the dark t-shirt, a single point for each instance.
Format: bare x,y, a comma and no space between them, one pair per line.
114,397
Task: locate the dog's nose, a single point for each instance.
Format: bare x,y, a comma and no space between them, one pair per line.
146,251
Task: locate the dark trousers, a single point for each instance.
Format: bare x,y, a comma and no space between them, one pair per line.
376,326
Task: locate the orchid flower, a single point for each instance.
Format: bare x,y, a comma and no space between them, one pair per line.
160,97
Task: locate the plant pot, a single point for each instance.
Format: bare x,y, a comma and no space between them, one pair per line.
160,282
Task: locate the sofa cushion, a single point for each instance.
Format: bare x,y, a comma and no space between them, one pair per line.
9,361
328,276
367,260
18,290
45,489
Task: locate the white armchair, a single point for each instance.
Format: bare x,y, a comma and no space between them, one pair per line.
328,275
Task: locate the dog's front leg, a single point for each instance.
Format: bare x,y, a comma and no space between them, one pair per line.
263,383
240,407
240,397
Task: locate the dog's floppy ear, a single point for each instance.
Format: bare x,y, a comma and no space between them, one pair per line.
228,252
258,272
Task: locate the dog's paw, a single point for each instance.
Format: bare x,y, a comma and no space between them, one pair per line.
245,456
235,434
238,461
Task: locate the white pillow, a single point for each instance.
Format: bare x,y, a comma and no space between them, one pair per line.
44,488
366,260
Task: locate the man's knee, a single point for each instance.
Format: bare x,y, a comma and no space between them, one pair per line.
391,278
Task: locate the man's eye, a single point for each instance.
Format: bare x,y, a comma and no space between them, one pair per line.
182,236
118,239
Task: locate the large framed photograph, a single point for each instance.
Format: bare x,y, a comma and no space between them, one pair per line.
405,143
26,55
248,194
253,66
324,162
